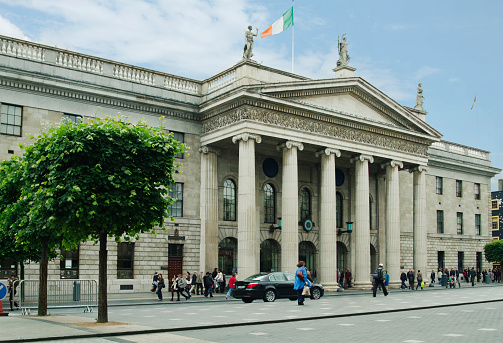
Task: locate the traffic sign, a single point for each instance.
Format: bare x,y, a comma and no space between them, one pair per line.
3,291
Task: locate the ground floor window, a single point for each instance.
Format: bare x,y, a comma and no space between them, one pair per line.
269,256
461,258
307,252
125,260
440,259
227,255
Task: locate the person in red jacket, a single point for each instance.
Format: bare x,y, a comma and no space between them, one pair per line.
232,281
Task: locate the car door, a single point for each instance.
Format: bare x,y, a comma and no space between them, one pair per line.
290,281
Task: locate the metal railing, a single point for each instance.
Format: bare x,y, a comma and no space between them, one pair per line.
60,293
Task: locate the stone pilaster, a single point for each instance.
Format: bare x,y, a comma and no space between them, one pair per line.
393,221
328,230
248,229
381,216
290,206
420,232
209,209
361,229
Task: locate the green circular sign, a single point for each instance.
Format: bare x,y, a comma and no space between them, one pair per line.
308,225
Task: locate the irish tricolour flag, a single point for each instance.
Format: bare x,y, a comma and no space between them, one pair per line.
280,25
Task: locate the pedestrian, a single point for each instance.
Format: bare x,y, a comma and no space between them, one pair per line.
188,279
154,282
208,285
457,277
432,276
214,274
386,281
419,279
301,280
411,276
379,278
173,287
181,284
193,283
160,286
341,278
348,277
222,284
473,273
403,278
232,282
199,283
315,276
218,280
12,289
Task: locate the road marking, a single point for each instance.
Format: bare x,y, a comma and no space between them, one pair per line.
325,308
412,341
490,308
346,324
294,311
305,329
382,320
414,317
150,316
467,311
258,333
328,313
230,311
441,314
258,313
219,316
175,318
453,335
487,329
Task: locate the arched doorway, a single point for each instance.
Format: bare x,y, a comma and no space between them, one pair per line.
307,252
228,255
269,256
342,256
373,259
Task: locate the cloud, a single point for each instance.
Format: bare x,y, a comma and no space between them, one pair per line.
11,30
424,72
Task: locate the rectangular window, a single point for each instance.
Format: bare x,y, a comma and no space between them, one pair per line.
494,204
73,118
440,221
477,191
10,120
125,260
179,137
440,259
461,258
495,223
460,223
69,264
459,188
440,185
176,193
479,261
477,224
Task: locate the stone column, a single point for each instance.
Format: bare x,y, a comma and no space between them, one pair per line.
381,216
248,228
420,232
328,217
361,229
209,209
290,206
393,221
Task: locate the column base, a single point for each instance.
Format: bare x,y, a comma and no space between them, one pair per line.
362,285
330,287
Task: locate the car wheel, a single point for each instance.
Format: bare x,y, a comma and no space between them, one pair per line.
269,295
247,300
315,293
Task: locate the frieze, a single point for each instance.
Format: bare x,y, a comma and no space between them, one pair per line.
312,125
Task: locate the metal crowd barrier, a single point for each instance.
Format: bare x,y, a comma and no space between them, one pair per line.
60,294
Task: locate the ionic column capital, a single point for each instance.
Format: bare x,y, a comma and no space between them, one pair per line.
245,137
419,169
362,158
393,164
289,145
328,151
205,149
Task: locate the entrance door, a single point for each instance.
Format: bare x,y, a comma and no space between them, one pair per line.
269,256
227,255
175,260
307,251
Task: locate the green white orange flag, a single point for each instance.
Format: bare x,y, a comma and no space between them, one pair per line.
280,25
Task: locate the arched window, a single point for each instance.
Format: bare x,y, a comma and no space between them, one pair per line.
229,200
270,256
305,204
269,204
338,210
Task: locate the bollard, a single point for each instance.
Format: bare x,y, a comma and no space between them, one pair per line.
2,313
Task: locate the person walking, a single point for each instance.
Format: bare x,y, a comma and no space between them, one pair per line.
472,276
193,283
181,285
419,280
403,278
12,285
160,286
188,279
219,278
199,283
154,282
232,282
379,277
301,281
386,281
208,285
432,276
173,287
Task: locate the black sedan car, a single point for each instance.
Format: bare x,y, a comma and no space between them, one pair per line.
270,287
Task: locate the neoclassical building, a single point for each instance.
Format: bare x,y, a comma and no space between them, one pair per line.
281,168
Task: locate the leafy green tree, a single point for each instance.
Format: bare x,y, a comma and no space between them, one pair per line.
494,251
104,178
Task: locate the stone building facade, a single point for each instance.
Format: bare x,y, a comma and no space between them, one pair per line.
281,167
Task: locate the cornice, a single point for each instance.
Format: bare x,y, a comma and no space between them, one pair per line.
99,100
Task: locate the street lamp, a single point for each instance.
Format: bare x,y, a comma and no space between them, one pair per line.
272,227
349,229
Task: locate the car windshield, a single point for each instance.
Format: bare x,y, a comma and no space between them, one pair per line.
256,277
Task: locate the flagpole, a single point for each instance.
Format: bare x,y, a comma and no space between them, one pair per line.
293,30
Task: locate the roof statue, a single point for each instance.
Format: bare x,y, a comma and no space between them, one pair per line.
419,99
343,52
247,53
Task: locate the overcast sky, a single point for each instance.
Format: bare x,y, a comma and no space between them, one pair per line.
453,47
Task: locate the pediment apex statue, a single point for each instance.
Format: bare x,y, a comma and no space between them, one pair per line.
419,99
247,53
343,52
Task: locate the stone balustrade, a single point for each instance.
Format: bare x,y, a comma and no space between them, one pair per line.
79,62
461,149
22,49
133,74
184,85
221,80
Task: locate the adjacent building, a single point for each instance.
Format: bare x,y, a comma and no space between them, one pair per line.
497,212
281,168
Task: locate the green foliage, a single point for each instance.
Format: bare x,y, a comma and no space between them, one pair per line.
494,251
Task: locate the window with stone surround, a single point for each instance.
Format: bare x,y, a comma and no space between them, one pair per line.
459,223
10,119
495,223
440,221
180,138
176,192
229,200
125,260
338,217
477,224
305,204
441,259
479,261
477,191
269,204
439,185
72,118
461,260
459,188
494,204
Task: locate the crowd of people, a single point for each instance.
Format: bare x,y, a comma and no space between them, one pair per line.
196,283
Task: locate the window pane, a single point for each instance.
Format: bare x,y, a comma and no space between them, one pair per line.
229,200
269,204
305,204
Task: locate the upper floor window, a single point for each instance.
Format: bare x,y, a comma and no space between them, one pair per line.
179,137
459,223
440,221
494,204
495,223
10,120
305,204
73,118
125,260
477,224
439,185
269,204
459,188
229,200
176,193
338,205
477,191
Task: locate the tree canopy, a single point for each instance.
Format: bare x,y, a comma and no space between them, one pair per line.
494,251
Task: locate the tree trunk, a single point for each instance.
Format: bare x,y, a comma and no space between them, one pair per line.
42,286
102,282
